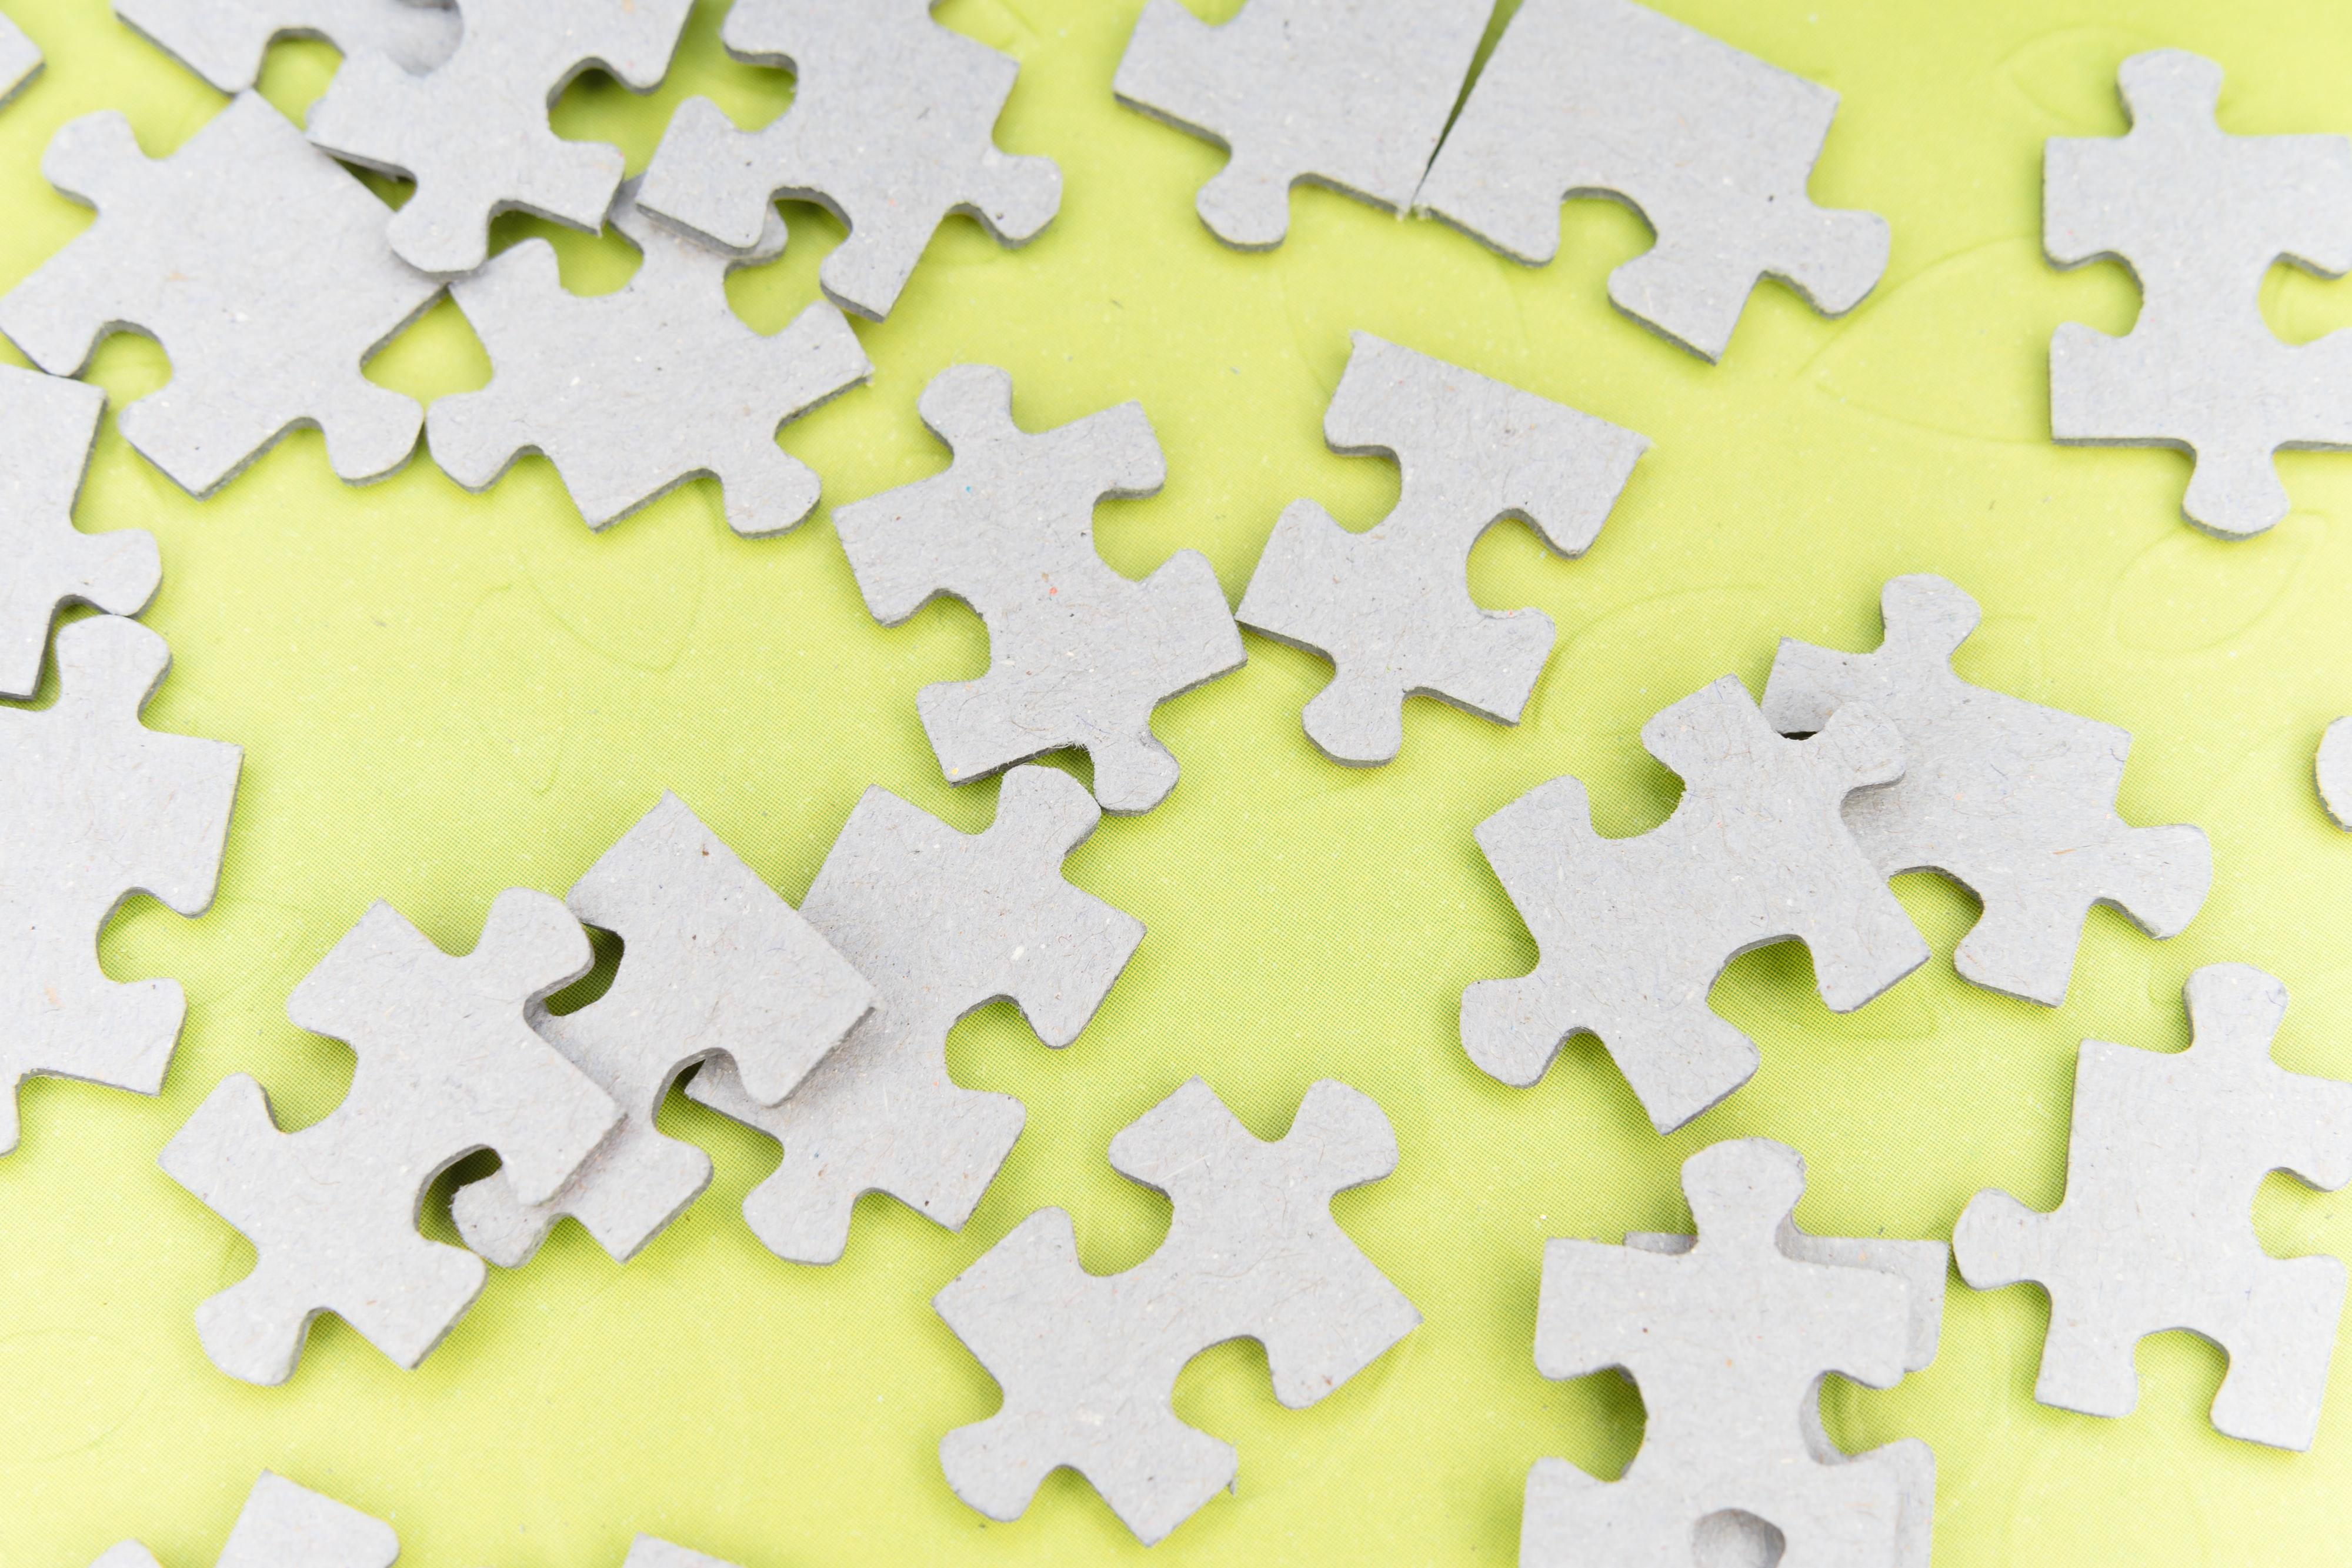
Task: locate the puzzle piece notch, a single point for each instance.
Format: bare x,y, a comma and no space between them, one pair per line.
1727,1336
1712,146
51,425
2014,801
99,808
2332,771
713,964
1088,1363
1634,932
1392,607
448,1065
2156,1231
283,1525
474,133
1353,96
1079,655
891,128
224,41
635,393
942,923
2199,217
20,61
260,267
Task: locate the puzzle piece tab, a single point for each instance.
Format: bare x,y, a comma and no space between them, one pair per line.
286,1526
1634,932
224,41
1088,1363
1713,147
1390,606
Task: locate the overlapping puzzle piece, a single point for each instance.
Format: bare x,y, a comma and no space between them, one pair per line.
224,41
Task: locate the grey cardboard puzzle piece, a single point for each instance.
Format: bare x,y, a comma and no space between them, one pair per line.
2156,1228
474,133
1088,1363
1078,656
47,427
448,1064
2199,217
2332,771
891,128
634,392
20,60
712,962
2014,801
1352,94
651,1551
1713,147
1728,1336
97,808
1390,606
942,923
260,267
1634,932
283,1525
224,41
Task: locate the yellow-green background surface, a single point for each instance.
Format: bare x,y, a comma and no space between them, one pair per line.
443,695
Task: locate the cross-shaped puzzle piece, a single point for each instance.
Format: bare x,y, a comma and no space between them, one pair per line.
474,133
2156,1230
2199,217
1079,655
448,1064
891,128
1390,606
283,1525
224,41
1713,147
1353,94
258,266
712,963
942,923
2014,801
1634,932
20,60
1728,1337
634,392
1088,1363
98,808
47,427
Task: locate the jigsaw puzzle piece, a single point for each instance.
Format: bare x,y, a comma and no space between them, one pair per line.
650,1552
283,1525
20,61
224,41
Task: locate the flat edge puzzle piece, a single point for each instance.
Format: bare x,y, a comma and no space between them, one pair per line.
100,807
1079,655
2156,1231
713,963
473,133
1632,934
2199,217
1391,608
2014,801
20,61
891,128
940,922
632,393
652,1551
224,41
50,425
2332,772
1088,1363
1354,96
1712,146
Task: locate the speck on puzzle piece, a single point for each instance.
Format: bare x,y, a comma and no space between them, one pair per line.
1088,1363
1712,146
474,134
224,41
2199,217
1634,932
942,923
1390,606
2014,801
1727,1336
260,267
1353,94
1079,655
634,392
891,128
448,1064
2156,1230
98,808
712,963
